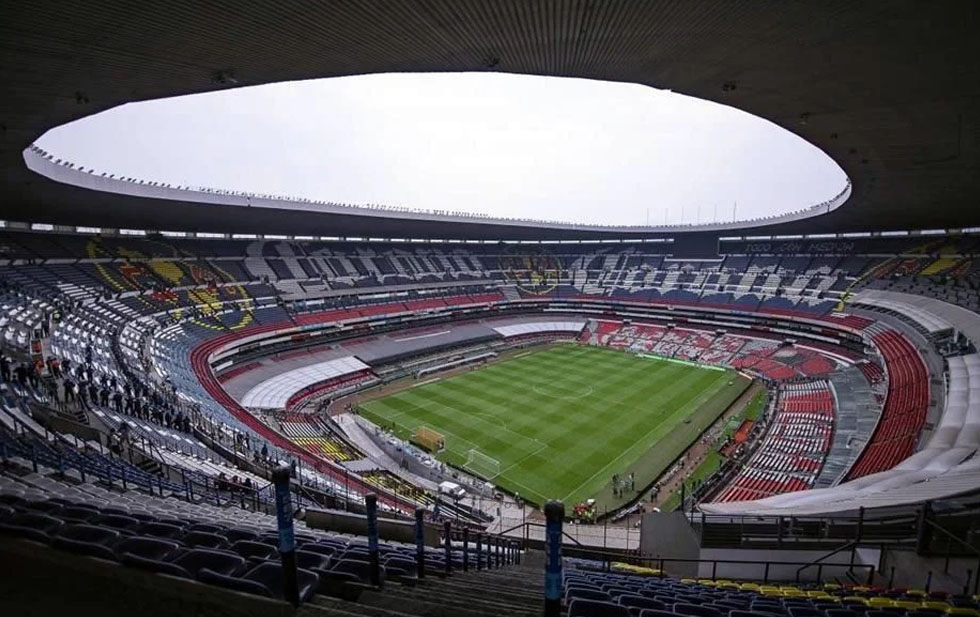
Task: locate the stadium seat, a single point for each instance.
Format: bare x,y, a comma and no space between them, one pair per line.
581,607
254,550
585,593
311,561
269,575
221,562
233,582
204,539
87,540
147,548
640,602
161,530
78,514
696,611
121,523
322,549
234,535
31,525
352,569
803,611
655,612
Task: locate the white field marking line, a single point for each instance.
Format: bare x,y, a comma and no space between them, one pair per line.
521,355
627,450
520,460
527,489
563,397
422,383
412,338
500,424
444,432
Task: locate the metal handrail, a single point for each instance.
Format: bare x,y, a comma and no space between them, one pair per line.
818,561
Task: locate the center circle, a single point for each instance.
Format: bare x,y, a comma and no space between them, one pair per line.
562,393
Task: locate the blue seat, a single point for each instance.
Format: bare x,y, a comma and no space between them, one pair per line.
161,530
233,582
641,602
32,526
204,539
581,607
270,576
843,612
78,514
205,527
220,562
46,506
87,540
750,613
118,522
403,566
322,549
359,569
147,548
234,535
585,593
254,550
696,610
154,565
804,611
311,561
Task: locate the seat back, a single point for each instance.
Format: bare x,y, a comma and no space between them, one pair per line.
270,575
253,550
221,562
147,548
204,539
581,607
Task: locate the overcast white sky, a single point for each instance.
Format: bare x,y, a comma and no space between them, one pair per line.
506,145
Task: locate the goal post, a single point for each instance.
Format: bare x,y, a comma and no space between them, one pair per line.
431,440
481,465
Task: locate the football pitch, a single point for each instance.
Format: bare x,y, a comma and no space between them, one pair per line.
559,422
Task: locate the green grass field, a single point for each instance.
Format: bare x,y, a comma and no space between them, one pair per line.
561,421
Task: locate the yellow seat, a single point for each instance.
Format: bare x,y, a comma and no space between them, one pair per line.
876,602
831,586
859,588
933,604
707,582
793,593
918,593
908,605
962,610
748,587
771,591
727,585
856,599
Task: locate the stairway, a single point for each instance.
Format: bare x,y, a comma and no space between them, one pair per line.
513,590
510,293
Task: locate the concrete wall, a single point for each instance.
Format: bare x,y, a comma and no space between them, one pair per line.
388,529
783,564
668,534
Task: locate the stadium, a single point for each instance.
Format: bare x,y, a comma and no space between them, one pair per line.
222,402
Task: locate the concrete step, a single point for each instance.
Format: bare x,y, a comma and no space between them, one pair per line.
468,605
473,596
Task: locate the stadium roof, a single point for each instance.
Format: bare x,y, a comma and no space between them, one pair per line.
889,89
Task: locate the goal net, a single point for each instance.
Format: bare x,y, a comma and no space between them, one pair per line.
429,439
481,465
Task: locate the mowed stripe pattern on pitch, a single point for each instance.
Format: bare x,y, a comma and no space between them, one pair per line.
561,421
